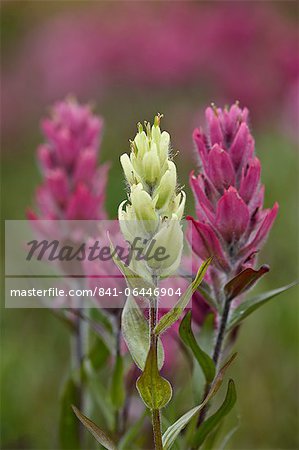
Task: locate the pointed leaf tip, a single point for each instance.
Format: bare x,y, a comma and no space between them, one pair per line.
154,390
174,430
244,281
135,331
213,421
175,313
204,360
117,385
68,424
97,433
249,306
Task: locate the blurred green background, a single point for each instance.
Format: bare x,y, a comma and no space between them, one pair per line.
34,345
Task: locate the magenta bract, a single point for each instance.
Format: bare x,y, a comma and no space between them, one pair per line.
231,223
73,186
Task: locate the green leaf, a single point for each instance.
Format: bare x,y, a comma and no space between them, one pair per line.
135,331
100,326
228,437
198,383
205,340
213,421
249,306
131,435
206,363
117,385
211,440
100,316
68,424
101,398
174,314
180,442
133,279
98,354
173,431
154,390
244,281
207,334
97,433
211,301
61,316
219,378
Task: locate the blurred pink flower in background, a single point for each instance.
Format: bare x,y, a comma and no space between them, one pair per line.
246,51
291,112
73,187
105,273
231,223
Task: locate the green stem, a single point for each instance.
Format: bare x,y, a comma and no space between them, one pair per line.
79,344
221,332
156,422
216,353
117,354
77,355
76,362
156,416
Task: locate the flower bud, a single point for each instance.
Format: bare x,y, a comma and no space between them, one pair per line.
232,215
144,208
220,168
128,169
169,241
151,169
214,128
180,201
163,147
238,149
127,221
58,185
166,187
141,142
85,166
250,180
205,243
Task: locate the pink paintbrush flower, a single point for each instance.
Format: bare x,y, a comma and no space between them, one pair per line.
73,186
231,223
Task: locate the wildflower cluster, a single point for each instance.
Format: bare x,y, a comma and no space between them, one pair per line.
155,208
231,223
73,186
230,229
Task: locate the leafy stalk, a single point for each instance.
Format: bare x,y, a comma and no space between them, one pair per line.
154,390
117,386
153,213
232,289
220,337
77,355
156,415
